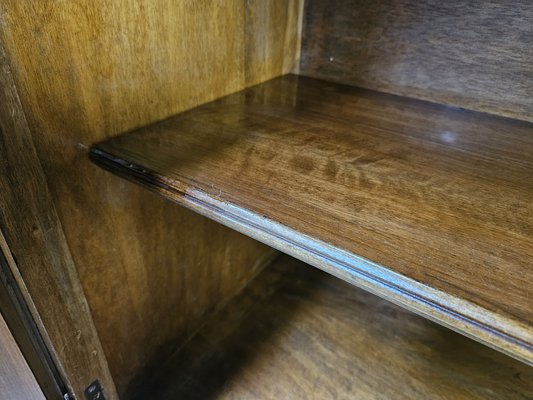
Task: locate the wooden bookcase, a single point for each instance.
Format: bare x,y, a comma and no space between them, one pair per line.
388,144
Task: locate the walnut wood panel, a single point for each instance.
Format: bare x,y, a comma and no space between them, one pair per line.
87,70
32,241
16,379
472,54
297,333
426,205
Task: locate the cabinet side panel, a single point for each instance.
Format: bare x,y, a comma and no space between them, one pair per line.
89,70
36,253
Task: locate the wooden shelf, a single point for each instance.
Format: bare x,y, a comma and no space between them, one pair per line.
428,206
298,333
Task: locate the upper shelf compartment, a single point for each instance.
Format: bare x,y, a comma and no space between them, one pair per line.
428,206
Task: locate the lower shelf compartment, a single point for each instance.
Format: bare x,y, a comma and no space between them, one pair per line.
298,333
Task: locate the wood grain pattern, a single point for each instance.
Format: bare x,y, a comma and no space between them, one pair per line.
426,205
87,70
297,333
32,241
476,55
272,37
16,379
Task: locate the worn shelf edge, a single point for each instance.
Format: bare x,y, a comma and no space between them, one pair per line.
503,334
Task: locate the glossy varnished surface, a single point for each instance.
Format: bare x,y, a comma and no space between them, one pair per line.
297,333
426,205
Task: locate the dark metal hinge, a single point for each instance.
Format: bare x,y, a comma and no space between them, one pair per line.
94,391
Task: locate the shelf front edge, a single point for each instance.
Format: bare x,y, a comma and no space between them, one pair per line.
494,330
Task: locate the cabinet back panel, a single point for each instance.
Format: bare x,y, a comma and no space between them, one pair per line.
89,70
472,54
